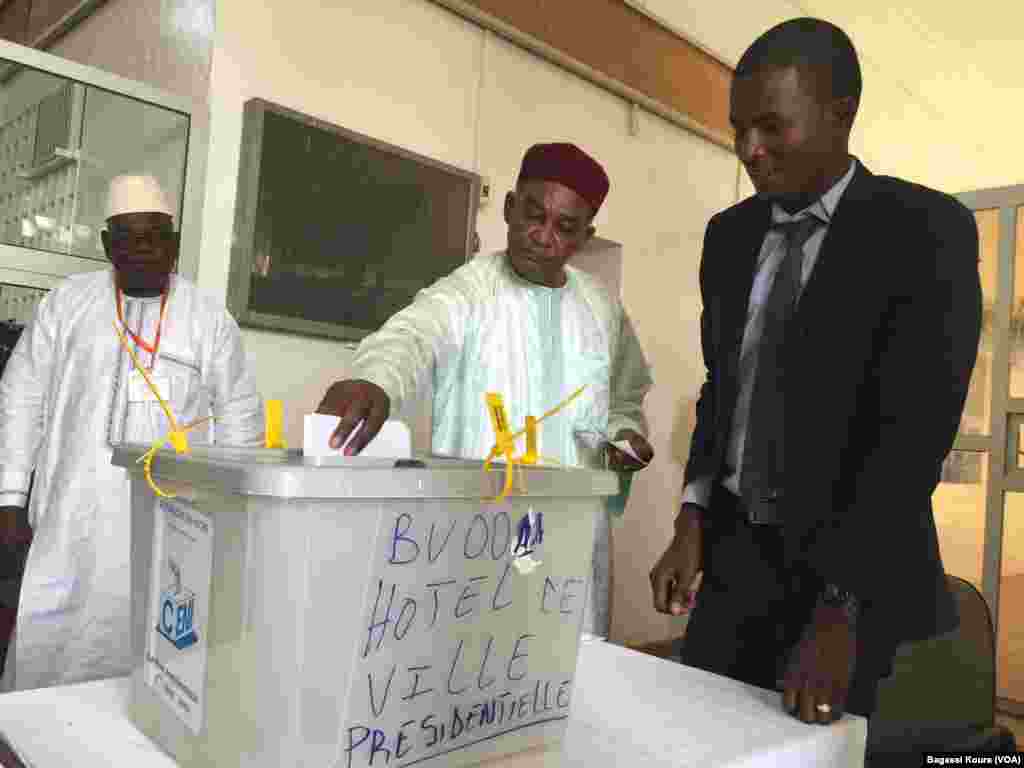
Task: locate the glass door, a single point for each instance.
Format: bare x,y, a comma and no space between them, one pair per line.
979,505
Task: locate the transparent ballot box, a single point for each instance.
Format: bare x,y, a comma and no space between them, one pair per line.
355,612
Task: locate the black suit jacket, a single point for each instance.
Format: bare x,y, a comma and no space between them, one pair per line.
885,339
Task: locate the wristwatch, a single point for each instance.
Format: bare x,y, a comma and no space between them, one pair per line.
833,596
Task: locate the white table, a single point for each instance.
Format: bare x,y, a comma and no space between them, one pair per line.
629,709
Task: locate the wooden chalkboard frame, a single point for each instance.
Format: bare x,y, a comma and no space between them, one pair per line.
243,240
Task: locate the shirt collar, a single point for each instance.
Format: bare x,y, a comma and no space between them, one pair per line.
825,206
172,278
523,282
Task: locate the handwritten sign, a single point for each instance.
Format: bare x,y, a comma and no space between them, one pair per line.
470,631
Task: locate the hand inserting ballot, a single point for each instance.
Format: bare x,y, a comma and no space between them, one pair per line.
355,401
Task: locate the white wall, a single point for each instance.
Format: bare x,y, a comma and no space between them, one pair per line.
412,74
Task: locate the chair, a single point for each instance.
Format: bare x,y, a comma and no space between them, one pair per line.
942,693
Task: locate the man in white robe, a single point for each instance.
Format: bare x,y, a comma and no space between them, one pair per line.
69,393
522,323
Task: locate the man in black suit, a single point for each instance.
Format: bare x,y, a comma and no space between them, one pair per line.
840,327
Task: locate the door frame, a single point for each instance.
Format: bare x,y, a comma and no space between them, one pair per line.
1005,413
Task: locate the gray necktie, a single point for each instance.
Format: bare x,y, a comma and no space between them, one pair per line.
761,476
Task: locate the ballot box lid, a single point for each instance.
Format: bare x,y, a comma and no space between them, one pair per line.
288,474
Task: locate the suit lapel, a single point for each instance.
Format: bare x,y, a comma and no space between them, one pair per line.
739,274
844,240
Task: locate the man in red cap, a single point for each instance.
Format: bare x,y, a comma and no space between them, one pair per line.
523,323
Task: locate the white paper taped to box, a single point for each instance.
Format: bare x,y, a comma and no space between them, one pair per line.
394,441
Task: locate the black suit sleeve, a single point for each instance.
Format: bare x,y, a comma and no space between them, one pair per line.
702,443
925,350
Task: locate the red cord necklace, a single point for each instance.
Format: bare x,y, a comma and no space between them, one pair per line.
137,337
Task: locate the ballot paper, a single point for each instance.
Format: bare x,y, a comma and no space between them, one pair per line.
626,448
394,441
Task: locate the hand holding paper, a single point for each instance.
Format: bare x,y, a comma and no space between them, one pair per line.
393,441
629,451
626,448
362,406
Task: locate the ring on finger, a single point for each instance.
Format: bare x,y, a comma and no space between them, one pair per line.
825,709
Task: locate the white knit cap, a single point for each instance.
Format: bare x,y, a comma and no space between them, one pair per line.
136,194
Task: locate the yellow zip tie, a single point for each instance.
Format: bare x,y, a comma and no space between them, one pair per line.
147,467
176,437
553,411
530,457
505,440
504,443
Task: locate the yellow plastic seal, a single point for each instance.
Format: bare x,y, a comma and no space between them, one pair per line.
531,457
274,424
180,441
176,437
505,440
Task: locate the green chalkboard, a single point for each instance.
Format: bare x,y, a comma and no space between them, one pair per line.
336,231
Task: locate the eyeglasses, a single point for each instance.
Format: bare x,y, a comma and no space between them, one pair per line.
155,237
